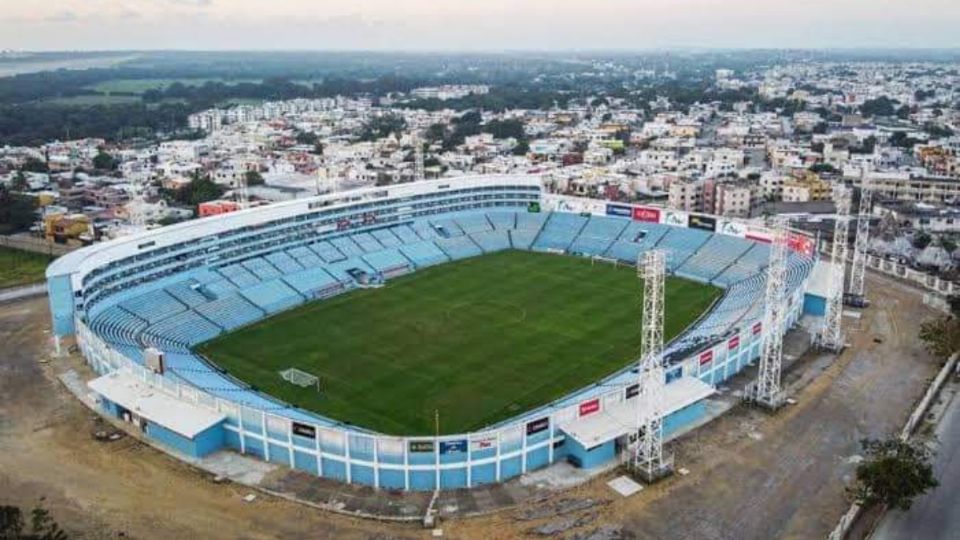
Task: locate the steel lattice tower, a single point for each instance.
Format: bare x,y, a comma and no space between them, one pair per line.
136,213
858,267
418,173
242,194
831,336
767,391
648,458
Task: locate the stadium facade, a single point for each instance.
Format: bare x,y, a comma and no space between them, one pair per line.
172,288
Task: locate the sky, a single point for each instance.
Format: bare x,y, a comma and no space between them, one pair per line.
476,25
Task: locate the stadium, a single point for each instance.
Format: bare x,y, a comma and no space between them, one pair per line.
436,335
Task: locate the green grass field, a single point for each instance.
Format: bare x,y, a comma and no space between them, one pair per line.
479,340
21,267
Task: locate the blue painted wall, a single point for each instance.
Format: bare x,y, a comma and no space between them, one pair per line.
814,305
589,458
61,305
204,443
683,417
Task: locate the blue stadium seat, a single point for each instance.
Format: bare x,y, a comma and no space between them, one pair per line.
272,296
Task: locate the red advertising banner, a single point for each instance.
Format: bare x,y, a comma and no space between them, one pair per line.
589,407
800,243
758,238
650,215
733,343
706,357
757,327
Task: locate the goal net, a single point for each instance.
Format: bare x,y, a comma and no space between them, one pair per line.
300,378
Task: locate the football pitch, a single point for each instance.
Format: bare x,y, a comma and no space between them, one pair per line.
475,341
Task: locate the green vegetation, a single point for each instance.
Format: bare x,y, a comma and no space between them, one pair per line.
200,190
941,335
893,474
21,267
42,526
139,86
379,127
16,210
478,340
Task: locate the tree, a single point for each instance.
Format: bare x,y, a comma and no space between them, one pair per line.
42,525
379,127
200,190
436,132
822,168
941,336
19,182
948,244
307,138
882,106
104,161
893,474
504,129
921,240
254,178
33,164
522,148
16,211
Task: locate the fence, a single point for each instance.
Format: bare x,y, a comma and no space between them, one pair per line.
922,279
36,245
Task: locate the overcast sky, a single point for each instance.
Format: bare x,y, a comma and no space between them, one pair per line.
475,24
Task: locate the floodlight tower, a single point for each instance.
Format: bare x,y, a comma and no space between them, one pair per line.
831,336
767,391
858,267
648,458
418,173
243,196
136,208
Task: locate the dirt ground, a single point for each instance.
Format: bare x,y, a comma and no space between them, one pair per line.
752,475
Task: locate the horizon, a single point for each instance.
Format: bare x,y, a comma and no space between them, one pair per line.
467,26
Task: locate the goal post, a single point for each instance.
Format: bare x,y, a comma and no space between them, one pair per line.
594,259
300,378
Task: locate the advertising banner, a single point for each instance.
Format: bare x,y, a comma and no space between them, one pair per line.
483,443
706,223
757,327
731,228
675,218
800,243
538,425
646,214
706,357
633,390
619,210
304,430
760,235
421,446
450,447
733,343
589,407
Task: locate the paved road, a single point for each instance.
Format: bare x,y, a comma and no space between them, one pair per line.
936,515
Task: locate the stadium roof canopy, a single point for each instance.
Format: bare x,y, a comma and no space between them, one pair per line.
617,420
158,407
